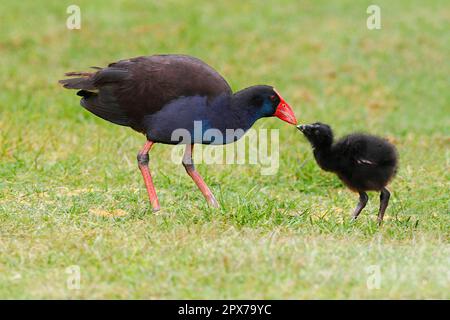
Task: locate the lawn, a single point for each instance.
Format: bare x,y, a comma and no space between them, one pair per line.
71,193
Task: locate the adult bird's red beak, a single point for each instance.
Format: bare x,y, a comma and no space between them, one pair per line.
284,111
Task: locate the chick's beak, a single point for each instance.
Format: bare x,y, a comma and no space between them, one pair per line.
284,112
301,127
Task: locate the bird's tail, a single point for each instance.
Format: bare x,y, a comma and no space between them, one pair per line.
97,93
84,80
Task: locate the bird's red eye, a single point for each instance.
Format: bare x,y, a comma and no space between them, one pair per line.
273,97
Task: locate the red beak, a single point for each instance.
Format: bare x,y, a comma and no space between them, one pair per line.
284,111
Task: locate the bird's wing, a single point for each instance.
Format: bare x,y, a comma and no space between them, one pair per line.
157,80
365,161
128,90
354,147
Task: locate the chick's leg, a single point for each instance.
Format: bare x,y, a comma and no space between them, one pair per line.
363,198
384,201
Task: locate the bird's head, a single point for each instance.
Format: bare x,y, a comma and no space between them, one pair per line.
265,101
318,134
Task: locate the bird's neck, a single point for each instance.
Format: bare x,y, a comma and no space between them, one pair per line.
243,115
325,157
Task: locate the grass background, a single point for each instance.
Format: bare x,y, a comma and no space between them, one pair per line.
282,236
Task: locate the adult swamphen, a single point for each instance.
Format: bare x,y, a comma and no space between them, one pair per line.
363,162
158,95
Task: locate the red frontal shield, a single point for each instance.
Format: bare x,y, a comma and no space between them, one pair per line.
284,111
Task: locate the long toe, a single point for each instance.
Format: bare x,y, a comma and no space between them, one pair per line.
212,202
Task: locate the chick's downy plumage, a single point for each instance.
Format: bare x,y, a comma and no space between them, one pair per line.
363,162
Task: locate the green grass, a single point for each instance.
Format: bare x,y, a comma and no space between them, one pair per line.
282,236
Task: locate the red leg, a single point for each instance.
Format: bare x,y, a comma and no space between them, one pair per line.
143,160
190,169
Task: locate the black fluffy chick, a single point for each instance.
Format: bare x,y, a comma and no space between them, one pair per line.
363,162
